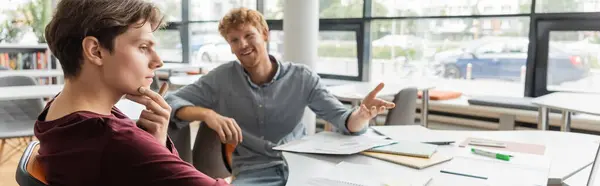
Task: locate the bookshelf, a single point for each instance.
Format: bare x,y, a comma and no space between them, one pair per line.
21,57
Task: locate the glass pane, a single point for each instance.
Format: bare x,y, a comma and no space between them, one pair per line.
24,21
550,6
208,46
337,53
405,8
273,9
168,45
276,43
573,61
340,8
473,56
203,10
327,9
171,9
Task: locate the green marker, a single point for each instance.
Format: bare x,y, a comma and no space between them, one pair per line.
499,156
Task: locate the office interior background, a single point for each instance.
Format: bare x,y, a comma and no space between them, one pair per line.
510,48
480,48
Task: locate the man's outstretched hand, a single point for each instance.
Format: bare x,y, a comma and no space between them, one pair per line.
371,106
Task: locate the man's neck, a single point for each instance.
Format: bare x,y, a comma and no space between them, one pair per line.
78,95
264,72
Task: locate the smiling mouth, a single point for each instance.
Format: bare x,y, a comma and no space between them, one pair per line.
247,52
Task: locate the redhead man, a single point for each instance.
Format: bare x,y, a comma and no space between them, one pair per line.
261,100
106,50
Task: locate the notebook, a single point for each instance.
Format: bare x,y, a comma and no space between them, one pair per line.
410,161
407,148
510,146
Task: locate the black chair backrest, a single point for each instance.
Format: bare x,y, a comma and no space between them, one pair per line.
404,112
23,176
209,154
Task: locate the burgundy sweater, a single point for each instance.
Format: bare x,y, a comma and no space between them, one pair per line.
86,148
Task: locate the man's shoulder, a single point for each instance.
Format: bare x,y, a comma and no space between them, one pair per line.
296,68
226,67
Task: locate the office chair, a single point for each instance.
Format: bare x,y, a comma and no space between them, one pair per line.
29,171
17,117
210,156
404,112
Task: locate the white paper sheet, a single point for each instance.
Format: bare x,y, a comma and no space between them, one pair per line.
333,143
351,174
415,133
499,172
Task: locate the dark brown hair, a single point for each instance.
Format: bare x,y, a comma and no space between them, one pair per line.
104,19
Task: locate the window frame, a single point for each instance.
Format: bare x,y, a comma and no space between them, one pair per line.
535,82
537,63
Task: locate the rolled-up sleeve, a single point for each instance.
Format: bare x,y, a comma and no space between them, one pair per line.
326,106
201,93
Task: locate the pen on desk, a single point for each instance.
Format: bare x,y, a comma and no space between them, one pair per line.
376,132
499,156
487,143
461,174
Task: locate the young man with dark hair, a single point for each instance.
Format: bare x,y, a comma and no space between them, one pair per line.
106,50
265,98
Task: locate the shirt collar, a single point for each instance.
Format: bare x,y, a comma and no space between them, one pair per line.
276,77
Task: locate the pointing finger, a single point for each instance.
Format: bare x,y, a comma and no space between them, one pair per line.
374,92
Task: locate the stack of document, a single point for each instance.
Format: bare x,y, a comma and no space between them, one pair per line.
334,143
407,148
409,153
351,174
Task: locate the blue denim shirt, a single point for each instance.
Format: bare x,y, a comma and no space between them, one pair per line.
268,114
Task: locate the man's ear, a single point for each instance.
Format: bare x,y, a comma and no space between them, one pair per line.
266,34
91,50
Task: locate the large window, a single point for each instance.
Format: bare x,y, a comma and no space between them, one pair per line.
573,61
327,9
467,53
410,8
337,52
24,22
559,6
171,9
207,45
168,45
207,10
478,47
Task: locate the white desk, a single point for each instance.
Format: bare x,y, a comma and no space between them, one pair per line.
29,92
31,73
129,108
183,80
170,67
567,158
355,92
567,103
